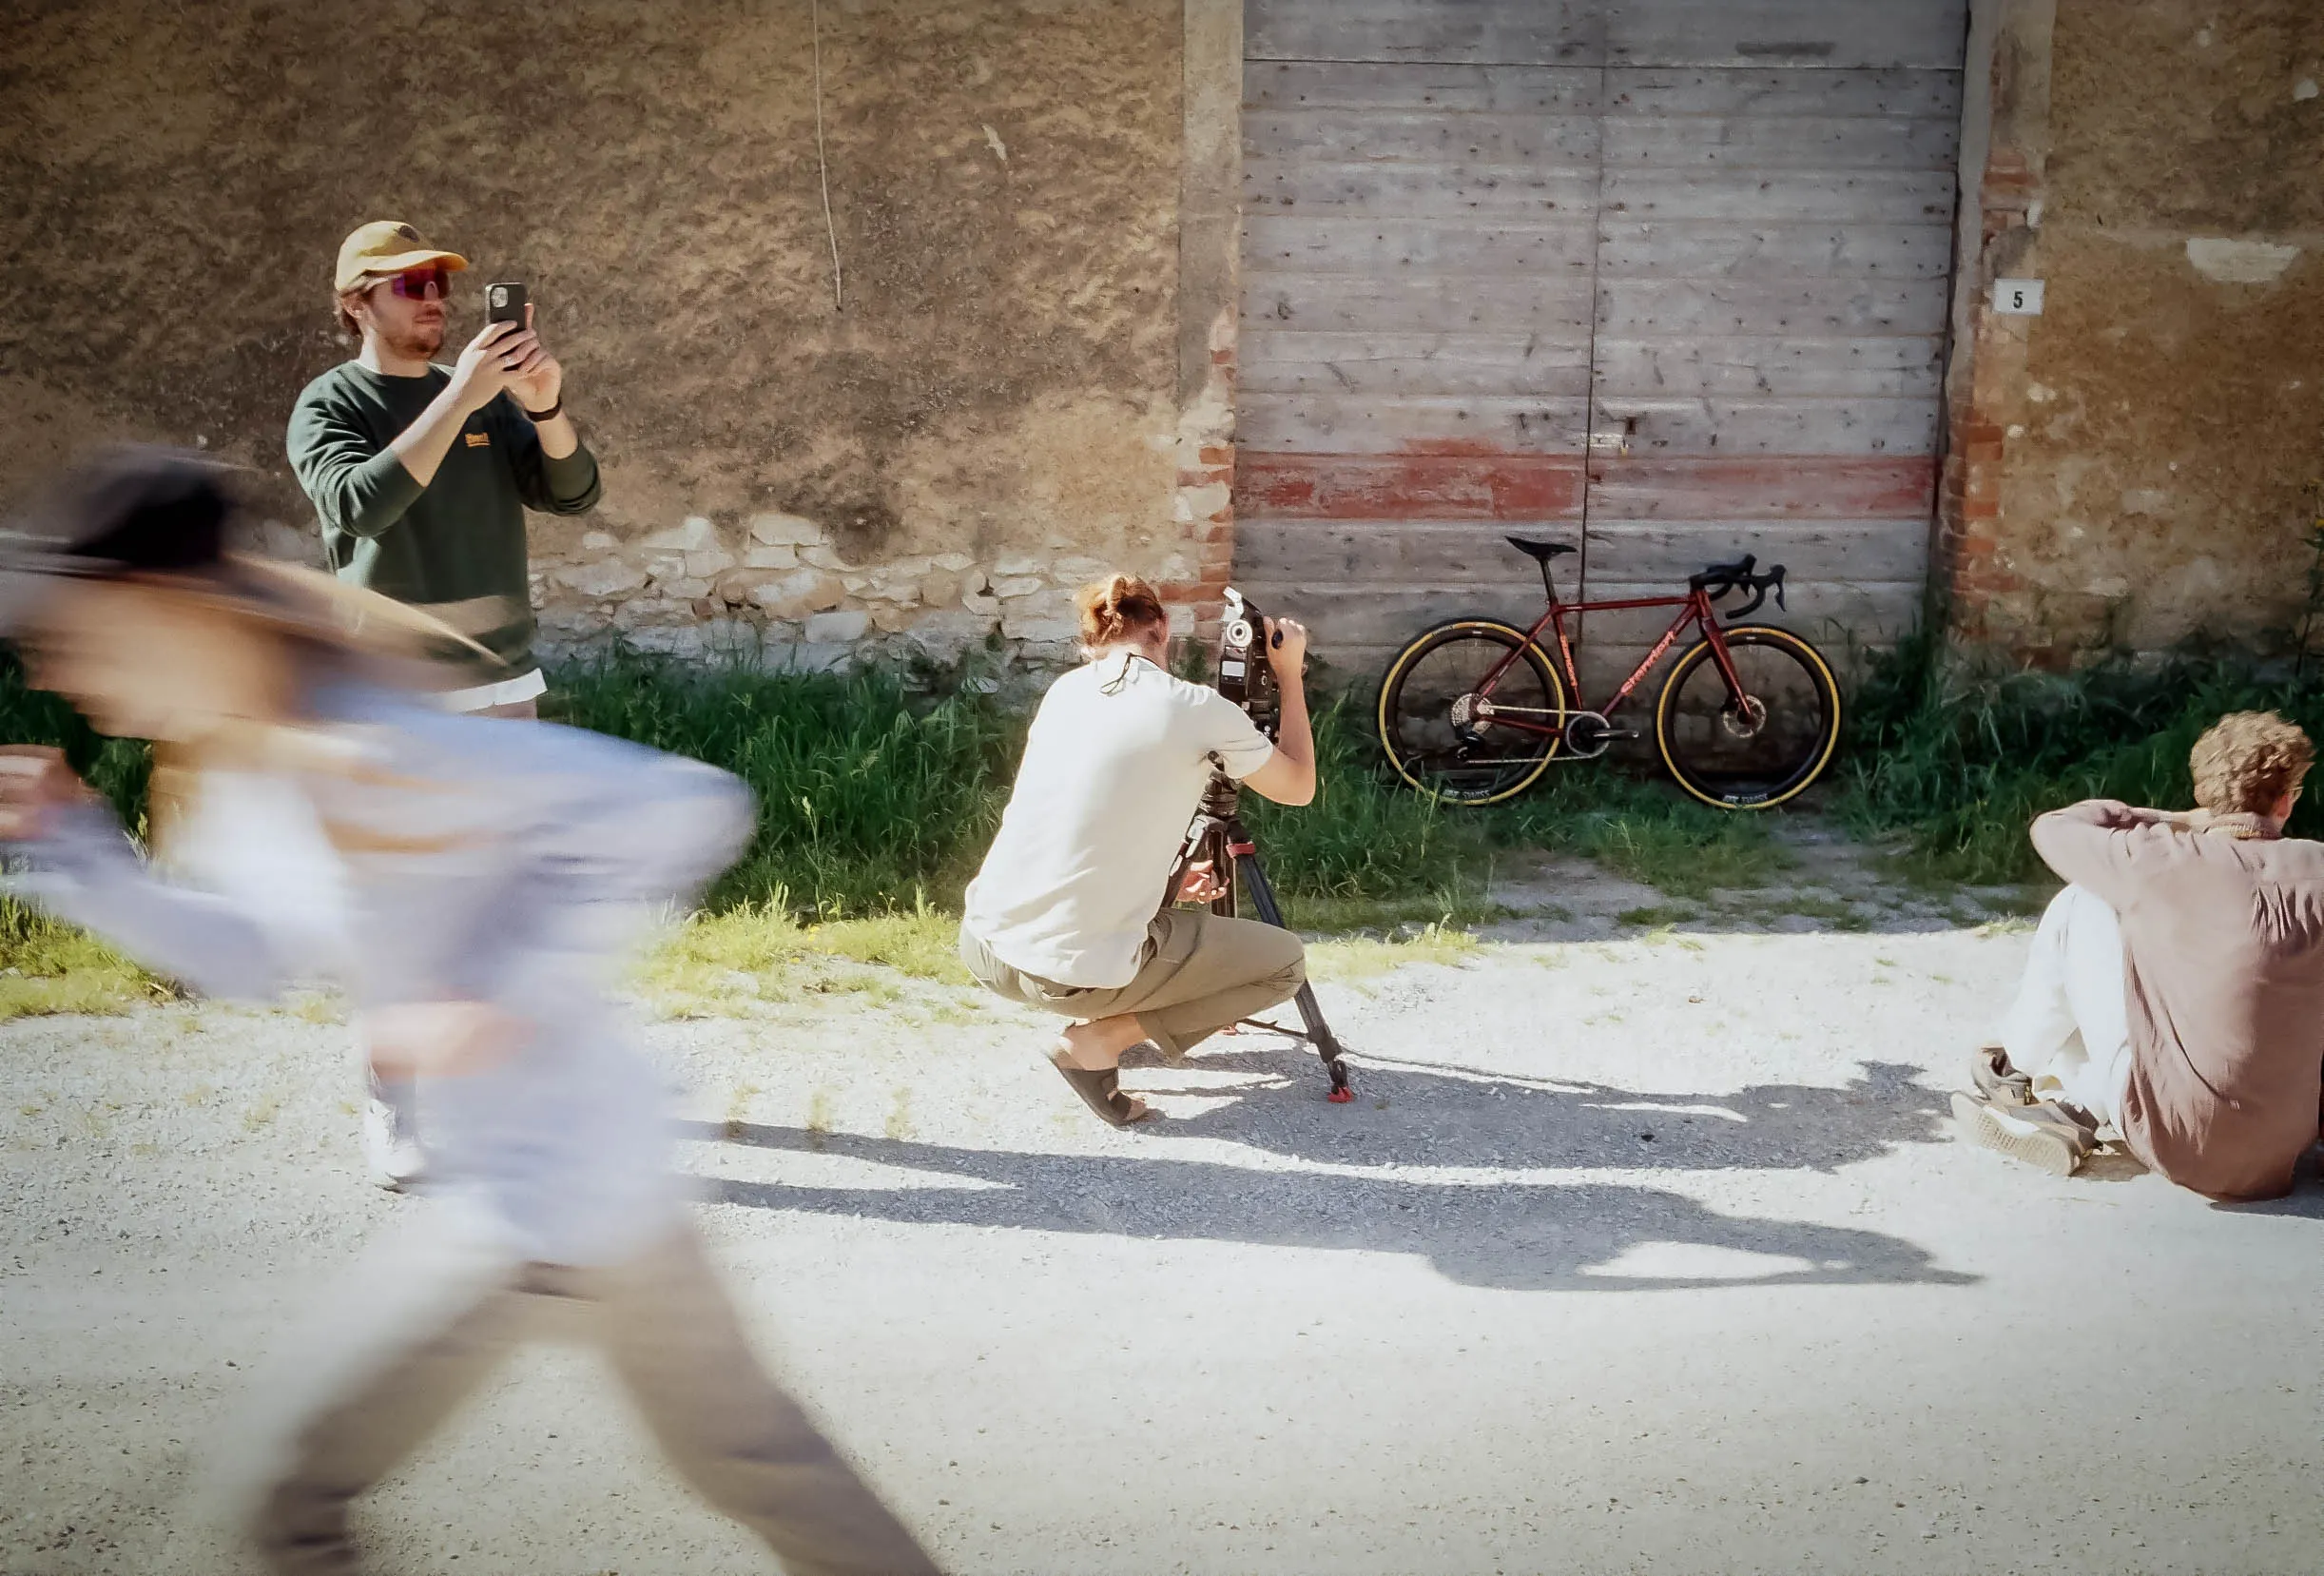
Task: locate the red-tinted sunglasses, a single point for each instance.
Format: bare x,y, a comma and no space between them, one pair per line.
414,284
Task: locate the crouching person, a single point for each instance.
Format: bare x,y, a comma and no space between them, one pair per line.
1063,914
2176,991
471,883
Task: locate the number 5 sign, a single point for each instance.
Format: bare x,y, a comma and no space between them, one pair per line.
2019,298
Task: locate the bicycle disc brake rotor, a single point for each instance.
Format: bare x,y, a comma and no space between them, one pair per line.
1743,720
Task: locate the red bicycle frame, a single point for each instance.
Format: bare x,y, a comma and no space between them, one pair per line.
1694,609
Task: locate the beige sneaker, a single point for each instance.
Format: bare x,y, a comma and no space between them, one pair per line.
1998,1081
2043,1133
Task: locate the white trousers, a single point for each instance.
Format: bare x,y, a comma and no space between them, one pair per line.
2068,1029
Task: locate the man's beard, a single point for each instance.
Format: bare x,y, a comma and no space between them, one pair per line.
420,343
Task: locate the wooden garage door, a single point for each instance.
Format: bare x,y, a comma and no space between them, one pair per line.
1664,279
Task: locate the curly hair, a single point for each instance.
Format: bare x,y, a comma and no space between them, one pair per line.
2248,760
1117,608
347,324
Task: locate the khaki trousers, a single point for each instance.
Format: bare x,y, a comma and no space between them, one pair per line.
1198,973
417,1331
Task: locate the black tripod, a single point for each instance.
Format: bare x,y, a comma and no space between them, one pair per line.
1219,836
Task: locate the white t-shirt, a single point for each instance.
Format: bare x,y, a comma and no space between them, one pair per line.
255,838
1114,767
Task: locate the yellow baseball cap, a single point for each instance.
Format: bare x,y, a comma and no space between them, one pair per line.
388,246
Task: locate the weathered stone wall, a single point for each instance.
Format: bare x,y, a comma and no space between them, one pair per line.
988,413
2128,469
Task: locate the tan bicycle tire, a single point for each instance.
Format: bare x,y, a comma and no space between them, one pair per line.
1752,633
1432,640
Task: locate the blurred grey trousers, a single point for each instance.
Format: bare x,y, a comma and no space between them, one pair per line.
414,1331
400,1095
1198,973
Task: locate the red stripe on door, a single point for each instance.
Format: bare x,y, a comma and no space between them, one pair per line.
1549,487
1415,487
1676,487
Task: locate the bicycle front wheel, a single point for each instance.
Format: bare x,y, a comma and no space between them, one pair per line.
1754,750
1471,712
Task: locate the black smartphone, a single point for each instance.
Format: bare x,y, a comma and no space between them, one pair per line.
505,303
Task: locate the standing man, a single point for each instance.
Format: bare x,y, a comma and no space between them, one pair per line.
421,475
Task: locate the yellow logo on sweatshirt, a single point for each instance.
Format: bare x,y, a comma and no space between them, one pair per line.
478,441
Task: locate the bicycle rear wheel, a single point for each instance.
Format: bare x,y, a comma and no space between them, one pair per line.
1755,751
1454,730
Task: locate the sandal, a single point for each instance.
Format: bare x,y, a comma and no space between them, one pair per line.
1102,1093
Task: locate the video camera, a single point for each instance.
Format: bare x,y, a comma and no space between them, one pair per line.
1245,675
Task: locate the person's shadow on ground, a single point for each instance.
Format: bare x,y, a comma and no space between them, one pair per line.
1481,1230
1416,1114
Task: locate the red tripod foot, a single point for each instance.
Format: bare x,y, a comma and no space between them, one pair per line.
1342,1096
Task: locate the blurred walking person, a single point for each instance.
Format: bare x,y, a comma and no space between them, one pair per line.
470,882
420,476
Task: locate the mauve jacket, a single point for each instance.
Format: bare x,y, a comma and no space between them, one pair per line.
2223,975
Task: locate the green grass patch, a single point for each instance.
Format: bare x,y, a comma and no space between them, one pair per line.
868,792
1645,830
1959,758
49,967
877,794
1361,957
1811,905
874,794
1654,914
723,963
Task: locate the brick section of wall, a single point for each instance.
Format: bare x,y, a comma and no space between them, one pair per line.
1209,308
2124,472
1205,513
1982,413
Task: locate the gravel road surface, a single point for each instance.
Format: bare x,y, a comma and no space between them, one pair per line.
1643,1254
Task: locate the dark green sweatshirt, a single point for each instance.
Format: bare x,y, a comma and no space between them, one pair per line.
457,546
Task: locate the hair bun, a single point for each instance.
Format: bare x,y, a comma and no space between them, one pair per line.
1117,608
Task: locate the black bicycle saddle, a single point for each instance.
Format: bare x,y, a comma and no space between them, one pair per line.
1541,550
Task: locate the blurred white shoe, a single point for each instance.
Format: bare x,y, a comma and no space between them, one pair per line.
390,1149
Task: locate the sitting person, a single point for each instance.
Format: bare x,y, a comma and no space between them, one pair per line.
2176,991
1063,914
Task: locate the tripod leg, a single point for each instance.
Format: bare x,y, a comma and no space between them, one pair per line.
1221,866
1311,1013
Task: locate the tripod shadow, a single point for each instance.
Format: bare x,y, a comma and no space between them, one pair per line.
1512,1236
1412,1114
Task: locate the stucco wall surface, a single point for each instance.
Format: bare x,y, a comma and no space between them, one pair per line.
986,416
2158,424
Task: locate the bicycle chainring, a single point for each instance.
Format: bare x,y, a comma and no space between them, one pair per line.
1587,736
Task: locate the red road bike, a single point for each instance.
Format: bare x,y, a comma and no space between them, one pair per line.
1474,711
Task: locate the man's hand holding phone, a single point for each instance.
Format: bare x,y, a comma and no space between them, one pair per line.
507,356
536,378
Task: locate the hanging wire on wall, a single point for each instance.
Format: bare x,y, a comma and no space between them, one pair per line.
823,165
